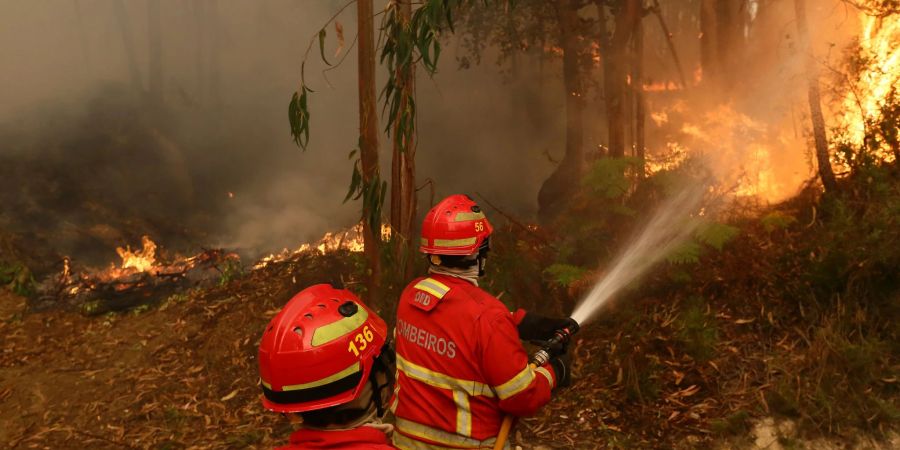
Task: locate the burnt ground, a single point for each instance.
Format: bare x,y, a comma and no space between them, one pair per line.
182,373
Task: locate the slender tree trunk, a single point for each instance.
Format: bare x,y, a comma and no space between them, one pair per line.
708,59
640,106
128,42
626,20
574,85
605,45
815,104
559,187
154,41
368,142
403,172
730,40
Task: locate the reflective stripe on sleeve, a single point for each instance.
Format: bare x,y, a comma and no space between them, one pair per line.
442,381
463,413
516,384
546,373
433,287
408,431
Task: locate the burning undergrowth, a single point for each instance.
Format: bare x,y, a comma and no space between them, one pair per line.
87,182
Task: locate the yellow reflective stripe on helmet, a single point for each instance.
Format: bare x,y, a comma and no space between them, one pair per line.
454,242
409,428
442,381
516,384
334,330
267,385
321,382
466,216
423,241
546,374
463,413
433,287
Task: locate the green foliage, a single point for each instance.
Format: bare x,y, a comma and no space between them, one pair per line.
231,270
608,177
564,275
716,235
697,332
686,253
18,279
322,34
298,116
777,220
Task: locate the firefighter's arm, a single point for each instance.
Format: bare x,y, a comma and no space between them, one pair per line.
522,390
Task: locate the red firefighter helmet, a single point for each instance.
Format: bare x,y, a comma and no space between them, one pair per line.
319,350
455,226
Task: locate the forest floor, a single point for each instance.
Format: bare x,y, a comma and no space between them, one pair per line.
786,337
182,374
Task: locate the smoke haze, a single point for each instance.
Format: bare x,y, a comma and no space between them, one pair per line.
91,165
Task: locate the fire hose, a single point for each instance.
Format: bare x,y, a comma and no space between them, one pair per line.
553,347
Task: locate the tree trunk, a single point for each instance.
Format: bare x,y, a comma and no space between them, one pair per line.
640,107
626,20
368,143
815,105
403,172
154,41
561,184
708,59
729,40
604,42
128,42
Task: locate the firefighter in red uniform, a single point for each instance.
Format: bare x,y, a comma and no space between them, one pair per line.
323,359
461,366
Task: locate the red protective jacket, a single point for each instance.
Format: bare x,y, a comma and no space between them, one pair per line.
460,367
362,438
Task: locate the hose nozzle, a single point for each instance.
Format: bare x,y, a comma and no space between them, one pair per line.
552,347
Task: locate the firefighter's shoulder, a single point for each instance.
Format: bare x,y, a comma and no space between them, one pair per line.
425,293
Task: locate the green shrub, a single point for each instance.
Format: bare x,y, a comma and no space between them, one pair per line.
697,332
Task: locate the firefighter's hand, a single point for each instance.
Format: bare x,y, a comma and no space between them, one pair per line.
535,327
561,370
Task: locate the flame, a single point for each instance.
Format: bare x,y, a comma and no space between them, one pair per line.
351,240
140,260
877,82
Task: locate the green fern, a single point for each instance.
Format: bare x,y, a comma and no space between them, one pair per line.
565,274
777,220
716,235
608,177
686,253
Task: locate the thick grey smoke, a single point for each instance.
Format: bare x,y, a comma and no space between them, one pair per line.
218,167
87,163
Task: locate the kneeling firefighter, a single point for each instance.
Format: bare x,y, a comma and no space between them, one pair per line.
323,360
461,367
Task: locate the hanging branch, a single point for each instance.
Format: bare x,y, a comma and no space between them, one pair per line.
298,108
662,23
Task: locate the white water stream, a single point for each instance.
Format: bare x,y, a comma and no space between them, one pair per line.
668,228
